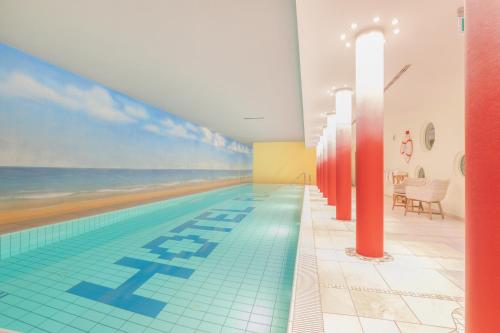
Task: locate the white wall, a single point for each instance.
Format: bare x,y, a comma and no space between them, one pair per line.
429,92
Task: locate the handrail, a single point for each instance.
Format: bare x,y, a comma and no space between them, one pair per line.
305,175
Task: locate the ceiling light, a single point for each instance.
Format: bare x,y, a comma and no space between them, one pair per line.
396,31
342,37
331,94
345,85
395,21
354,26
333,88
348,45
376,19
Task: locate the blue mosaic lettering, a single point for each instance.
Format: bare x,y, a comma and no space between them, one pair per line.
220,217
123,297
205,249
192,225
247,199
246,210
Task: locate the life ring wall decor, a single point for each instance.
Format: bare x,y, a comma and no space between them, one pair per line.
406,148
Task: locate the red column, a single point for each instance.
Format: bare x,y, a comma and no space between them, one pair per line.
332,167
343,181
343,105
320,166
370,144
317,167
482,181
325,160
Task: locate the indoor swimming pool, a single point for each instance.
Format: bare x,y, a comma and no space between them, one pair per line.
219,261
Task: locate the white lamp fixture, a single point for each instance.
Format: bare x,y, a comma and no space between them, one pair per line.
377,23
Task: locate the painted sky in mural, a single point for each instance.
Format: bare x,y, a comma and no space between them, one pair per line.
52,118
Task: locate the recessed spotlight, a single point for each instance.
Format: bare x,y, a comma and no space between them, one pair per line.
345,85
348,45
396,31
376,19
343,37
333,88
331,94
354,26
395,21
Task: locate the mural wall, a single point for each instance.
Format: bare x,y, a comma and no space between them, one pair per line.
64,137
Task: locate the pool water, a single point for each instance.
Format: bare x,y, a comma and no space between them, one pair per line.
220,261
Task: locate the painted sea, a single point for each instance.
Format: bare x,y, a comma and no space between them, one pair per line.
46,183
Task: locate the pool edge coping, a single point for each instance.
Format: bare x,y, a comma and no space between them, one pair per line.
305,313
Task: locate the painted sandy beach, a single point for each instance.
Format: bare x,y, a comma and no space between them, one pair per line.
28,213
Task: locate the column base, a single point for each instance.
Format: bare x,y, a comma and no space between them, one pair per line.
351,252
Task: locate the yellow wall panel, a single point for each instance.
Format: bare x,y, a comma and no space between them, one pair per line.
283,163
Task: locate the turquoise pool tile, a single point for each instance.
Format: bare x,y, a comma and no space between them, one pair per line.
213,318
161,325
236,323
113,322
258,328
182,329
51,325
209,327
132,327
244,276
99,328
82,323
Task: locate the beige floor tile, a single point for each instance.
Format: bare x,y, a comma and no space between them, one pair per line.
432,311
337,301
341,324
421,280
415,328
382,306
330,272
395,247
362,274
428,258
451,264
323,242
432,249
457,277
405,260
371,325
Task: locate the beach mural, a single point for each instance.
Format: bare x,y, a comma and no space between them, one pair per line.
63,137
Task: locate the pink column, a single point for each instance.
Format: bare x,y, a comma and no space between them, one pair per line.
369,143
343,103
482,181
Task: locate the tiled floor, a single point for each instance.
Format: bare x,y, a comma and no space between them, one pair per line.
420,291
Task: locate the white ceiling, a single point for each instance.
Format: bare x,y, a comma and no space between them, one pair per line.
428,40
212,62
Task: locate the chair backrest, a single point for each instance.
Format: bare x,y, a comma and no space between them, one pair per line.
399,177
438,189
415,181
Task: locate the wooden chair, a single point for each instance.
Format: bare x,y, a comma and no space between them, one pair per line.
398,188
431,193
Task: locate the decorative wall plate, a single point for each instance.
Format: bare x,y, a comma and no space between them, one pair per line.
406,148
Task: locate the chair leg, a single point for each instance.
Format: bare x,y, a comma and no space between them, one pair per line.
430,210
393,201
441,210
406,205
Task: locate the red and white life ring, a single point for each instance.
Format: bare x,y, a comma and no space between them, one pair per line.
406,148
